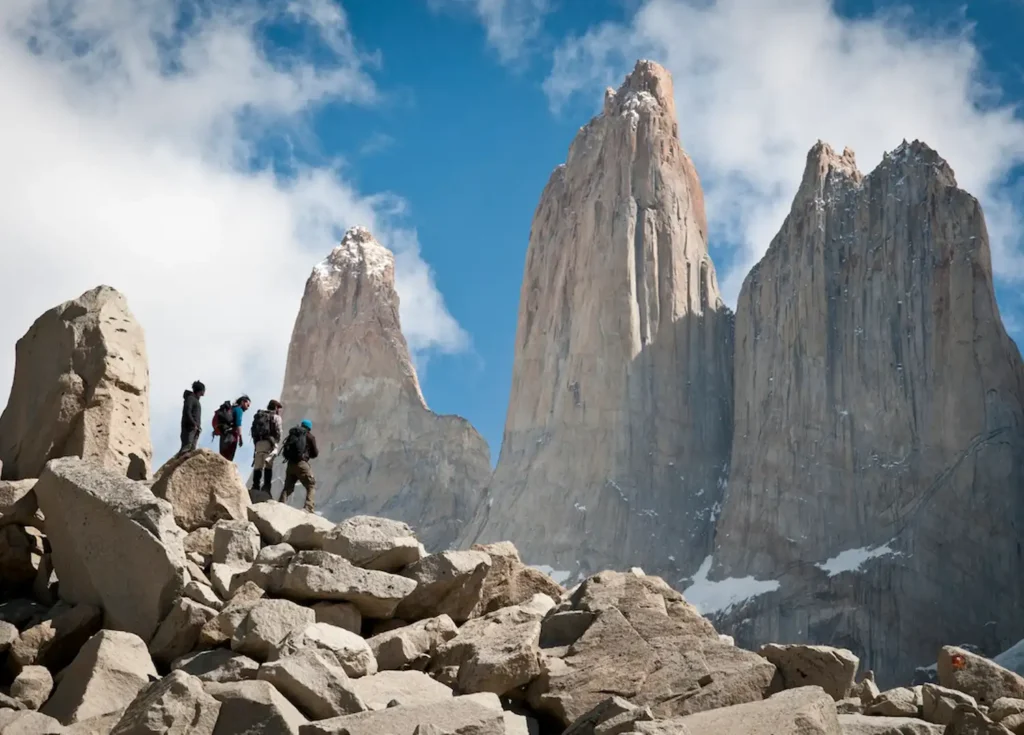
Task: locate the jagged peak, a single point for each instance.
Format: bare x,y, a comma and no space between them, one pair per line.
359,253
822,160
648,86
919,153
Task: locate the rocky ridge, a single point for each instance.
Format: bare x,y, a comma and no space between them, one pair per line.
349,371
870,322
620,413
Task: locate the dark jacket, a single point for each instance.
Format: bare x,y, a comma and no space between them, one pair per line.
191,412
311,448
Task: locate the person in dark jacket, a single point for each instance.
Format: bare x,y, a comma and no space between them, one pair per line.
191,418
297,450
231,436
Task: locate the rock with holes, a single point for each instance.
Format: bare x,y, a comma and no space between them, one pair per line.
81,389
203,488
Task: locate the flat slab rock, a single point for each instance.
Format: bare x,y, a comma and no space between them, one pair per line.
458,715
275,520
868,725
322,576
115,545
833,669
803,711
649,659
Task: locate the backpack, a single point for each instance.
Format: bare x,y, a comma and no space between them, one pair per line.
294,448
262,426
223,419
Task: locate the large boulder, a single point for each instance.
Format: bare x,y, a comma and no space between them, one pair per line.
175,705
266,624
341,648
509,581
203,488
179,631
115,545
236,542
833,669
982,678
107,673
81,389
316,686
898,702
275,520
496,653
450,583
26,722
254,708
938,703
412,646
33,686
804,711
648,646
320,575
367,541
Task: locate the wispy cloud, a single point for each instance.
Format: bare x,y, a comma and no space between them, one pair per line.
129,128
376,143
757,84
510,24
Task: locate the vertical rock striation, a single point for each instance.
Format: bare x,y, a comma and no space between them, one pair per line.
81,389
382,451
617,437
878,463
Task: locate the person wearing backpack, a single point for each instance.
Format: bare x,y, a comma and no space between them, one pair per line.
191,418
298,448
266,435
227,424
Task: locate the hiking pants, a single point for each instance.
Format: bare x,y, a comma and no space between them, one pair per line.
299,472
189,441
228,446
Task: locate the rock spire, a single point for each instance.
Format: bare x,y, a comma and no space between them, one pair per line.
878,459
350,372
617,437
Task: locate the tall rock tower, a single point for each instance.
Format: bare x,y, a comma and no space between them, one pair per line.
878,464
382,451
617,438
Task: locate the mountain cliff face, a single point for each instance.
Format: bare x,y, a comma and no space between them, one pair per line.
617,436
382,451
878,462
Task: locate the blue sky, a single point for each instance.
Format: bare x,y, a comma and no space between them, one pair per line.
236,146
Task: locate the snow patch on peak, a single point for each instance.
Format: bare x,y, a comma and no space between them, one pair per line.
852,560
358,253
711,597
1012,658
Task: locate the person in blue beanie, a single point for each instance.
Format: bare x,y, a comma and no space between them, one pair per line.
297,450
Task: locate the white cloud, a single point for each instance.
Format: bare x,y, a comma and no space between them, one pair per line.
127,130
510,24
756,84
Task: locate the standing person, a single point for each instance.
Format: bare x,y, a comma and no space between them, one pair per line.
227,424
191,418
297,450
266,436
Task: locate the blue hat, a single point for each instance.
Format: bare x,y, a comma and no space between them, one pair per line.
307,423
